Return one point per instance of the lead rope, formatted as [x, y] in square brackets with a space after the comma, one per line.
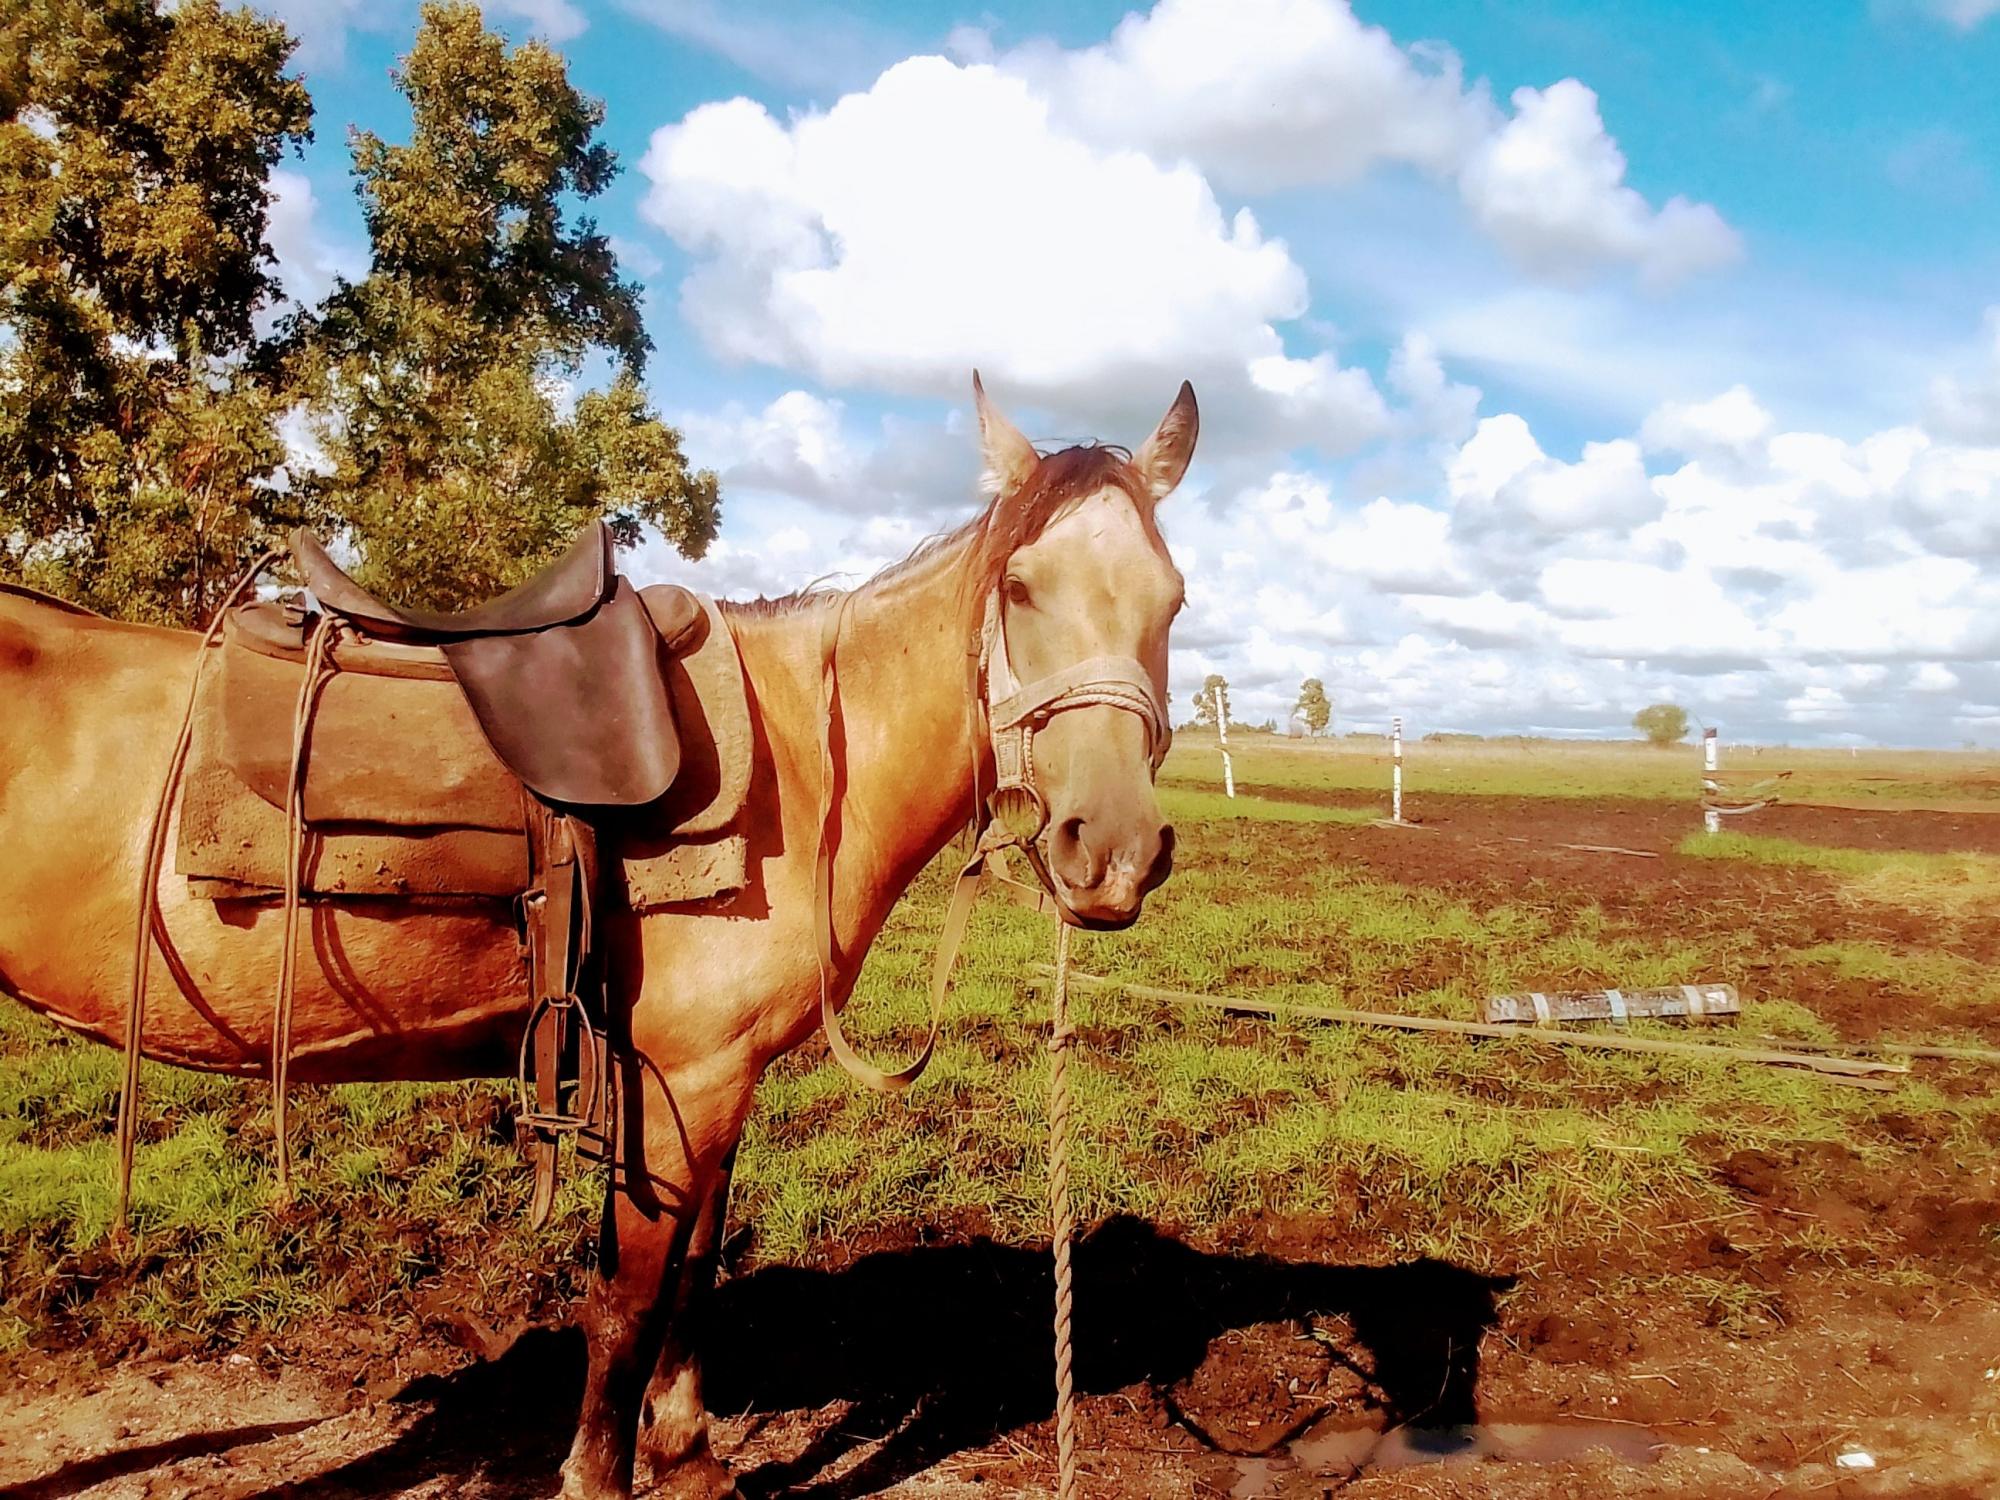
[1062, 1224]
[149, 879]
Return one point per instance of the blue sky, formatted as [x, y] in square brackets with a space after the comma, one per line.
[1670, 377]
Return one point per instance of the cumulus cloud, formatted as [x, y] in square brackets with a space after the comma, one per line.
[1549, 185]
[1968, 408]
[799, 447]
[310, 256]
[1264, 93]
[1268, 94]
[1791, 584]
[941, 217]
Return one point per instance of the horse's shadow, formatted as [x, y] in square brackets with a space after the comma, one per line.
[942, 1348]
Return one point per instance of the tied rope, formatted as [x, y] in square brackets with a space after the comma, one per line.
[1062, 1223]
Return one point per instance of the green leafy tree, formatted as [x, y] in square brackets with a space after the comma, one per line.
[1212, 701]
[455, 461]
[1314, 706]
[137, 438]
[1662, 723]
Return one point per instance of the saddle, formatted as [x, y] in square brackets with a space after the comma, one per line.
[341, 746]
[562, 672]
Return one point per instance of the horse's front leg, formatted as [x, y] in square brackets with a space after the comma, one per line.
[688, 1124]
[673, 1422]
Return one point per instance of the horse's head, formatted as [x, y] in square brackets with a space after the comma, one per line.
[1074, 592]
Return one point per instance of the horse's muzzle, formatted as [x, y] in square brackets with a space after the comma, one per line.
[1105, 879]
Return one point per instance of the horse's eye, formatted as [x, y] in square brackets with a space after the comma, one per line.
[1017, 591]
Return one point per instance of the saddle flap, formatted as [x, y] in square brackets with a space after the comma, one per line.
[579, 712]
[691, 845]
[398, 751]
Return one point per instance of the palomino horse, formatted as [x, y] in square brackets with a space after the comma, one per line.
[1070, 556]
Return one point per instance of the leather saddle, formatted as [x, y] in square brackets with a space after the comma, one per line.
[567, 678]
[563, 672]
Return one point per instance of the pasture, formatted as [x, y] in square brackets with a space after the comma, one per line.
[1753, 1269]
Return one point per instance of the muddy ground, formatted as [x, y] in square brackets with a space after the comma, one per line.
[918, 1364]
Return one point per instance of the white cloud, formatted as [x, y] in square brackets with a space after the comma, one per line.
[940, 219]
[823, 50]
[1264, 93]
[1785, 583]
[309, 256]
[552, 20]
[798, 448]
[1969, 408]
[1731, 425]
[1966, 15]
[1550, 187]
[1268, 94]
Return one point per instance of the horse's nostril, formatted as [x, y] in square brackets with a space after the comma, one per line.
[1078, 862]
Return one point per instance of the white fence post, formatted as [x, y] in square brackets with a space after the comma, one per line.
[1222, 738]
[1711, 820]
[1396, 774]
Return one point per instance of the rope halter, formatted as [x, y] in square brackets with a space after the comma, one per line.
[1015, 712]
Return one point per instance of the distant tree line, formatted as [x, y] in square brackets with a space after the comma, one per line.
[150, 370]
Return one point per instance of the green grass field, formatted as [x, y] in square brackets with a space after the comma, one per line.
[1592, 768]
[1503, 1156]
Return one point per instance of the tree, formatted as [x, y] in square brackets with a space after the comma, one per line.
[1661, 723]
[137, 419]
[1314, 706]
[1212, 701]
[456, 461]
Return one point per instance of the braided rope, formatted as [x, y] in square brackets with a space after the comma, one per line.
[1062, 1224]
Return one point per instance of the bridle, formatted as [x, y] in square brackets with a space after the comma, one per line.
[1015, 712]
[1014, 814]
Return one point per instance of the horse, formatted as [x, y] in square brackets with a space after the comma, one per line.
[1065, 563]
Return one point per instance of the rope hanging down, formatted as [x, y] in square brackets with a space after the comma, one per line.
[1062, 1224]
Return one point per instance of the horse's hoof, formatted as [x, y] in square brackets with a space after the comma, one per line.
[698, 1476]
[576, 1486]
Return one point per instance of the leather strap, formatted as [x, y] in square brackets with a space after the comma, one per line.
[1013, 815]
[965, 891]
[149, 879]
[319, 670]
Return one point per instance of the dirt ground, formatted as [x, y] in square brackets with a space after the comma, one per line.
[918, 1365]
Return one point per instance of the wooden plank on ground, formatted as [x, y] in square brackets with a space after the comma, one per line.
[1856, 1072]
[1674, 1002]
[1928, 1050]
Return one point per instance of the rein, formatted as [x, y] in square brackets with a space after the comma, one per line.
[1013, 815]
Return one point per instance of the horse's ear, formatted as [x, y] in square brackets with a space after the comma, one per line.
[1010, 458]
[1163, 458]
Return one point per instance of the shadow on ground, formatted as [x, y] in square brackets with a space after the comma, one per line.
[940, 1349]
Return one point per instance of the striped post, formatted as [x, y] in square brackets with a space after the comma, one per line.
[1222, 737]
[1396, 772]
[1711, 820]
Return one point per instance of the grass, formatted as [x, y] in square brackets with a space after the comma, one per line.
[1588, 768]
[1501, 1156]
[1948, 889]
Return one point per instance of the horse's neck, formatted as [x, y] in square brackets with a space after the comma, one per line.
[902, 738]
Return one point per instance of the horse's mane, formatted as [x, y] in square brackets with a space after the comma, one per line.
[1011, 521]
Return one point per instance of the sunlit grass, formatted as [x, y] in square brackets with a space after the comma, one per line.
[1498, 1155]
